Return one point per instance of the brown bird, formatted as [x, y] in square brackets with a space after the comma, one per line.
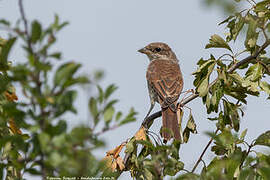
[165, 84]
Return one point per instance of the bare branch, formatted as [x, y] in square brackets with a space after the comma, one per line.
[25, 22]
[105, 130]
[23, 17]
[204, 151]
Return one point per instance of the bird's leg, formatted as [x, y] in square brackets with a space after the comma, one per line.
[151, 108]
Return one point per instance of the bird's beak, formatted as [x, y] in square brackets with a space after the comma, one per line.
[143, 50]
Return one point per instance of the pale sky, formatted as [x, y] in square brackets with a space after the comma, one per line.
[106, 34]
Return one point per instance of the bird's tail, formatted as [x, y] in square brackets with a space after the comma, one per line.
[170, 125]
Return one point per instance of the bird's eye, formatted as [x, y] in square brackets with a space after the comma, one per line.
[157, 49]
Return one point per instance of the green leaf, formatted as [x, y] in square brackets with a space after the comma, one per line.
[243, 134]
[188, 176]
[186, 135]
[148, 174]
[33, 171]
[4, 22]
[44, 140]
[264, 171]
[129, 118]
[5, 50]
[252, 35]
[238, 27]
[237, 78]
[56, 55]
[56, 158]
[263, 139]
[130, 146]
[110, 104]
[217, 93]
[110, 89]
[226, 20]
[203, 66]
[254, 73]
[191, 125]
[65, 73]
[100, 94]
[36, 31]
[93, 107]
[118, 115]
[65, 102]
[108, 114]
[265, 87]
[217, 42]
[262, 6]
[202, 89]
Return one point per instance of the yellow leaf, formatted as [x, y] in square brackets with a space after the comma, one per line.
[108, 159]
[140, 135]
[120, 163]
[11, 96]
[50, 100]
[116, 151]
[13, 127]
[114, 165]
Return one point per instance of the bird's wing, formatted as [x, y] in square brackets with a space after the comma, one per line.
[166, 79]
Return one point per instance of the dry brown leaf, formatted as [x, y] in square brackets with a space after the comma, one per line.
[140, 134]
[11, 96]
[120, 163]
[113, 159]
[116, 151]
[114, 166]
[108, 159]
[13, 127]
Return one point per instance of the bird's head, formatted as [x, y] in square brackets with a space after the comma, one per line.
[158, 50]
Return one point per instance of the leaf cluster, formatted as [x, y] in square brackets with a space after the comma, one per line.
[35, 138]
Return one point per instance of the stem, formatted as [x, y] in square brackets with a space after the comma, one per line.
[28, 38]
[105, 130]
[36, 79]
[204, 151]
[243, 160]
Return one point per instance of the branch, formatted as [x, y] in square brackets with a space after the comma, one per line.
[246, 155]
[23, 17]
[28, 38]
[107, 129]
[204, 151]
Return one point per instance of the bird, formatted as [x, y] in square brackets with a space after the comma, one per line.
[165, 84]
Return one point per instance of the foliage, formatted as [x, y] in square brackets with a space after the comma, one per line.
[34, 135]
[35, 140]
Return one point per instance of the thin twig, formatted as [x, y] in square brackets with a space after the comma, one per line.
[204, 151]
[106, 129]
[264, 33]
[265, 66]
[23, 17]
[25, 22]
[248, 151]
